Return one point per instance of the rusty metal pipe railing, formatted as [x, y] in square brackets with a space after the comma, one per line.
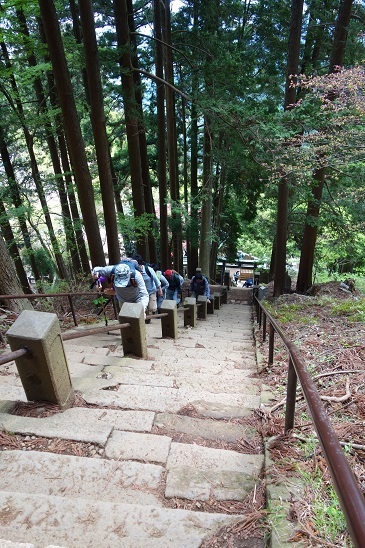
[348, 491]
[11, 356]
[68, 295]
[157, 316]
[96, 331]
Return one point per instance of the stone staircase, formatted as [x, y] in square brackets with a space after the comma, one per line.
[168, 454]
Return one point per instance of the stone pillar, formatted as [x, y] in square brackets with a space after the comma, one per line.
[203, 308]
[190, 313]
[227, 279]
[210, 308]
[169, 322]
[224, 296]
[44, 373]
[134, 337]
[217, 301]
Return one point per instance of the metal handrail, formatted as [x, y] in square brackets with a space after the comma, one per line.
[47, 295]
[346, 486]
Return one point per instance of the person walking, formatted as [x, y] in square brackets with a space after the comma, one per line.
[126, 282]
[173, 291]
[199, 285]
[164, 286]
[153, 284]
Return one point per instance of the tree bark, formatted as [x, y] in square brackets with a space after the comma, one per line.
[172, 145]
[283, 189]
[305, 273]
[130, 111]
[99, 128]
[206, 215]
[161, 139]
[9, 283]
[73, 131]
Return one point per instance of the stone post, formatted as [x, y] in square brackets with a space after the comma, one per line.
[44, 372]
[217, 301]
[203, 308]
[134, 337]
[169, 322]
[190, 313]
[210, 308]
[224, 296]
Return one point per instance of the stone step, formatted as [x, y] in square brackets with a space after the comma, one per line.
[81, 523]
[172, 400]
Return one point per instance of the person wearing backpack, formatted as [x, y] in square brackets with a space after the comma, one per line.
[164, 286]
[153, 284]
[126, 282]
[173, 291]
[199, 285]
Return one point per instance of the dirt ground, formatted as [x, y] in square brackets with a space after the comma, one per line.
[328, 326]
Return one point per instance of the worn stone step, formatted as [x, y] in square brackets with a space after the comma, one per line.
[41, 473]
[169, 400]
[226, 432]
[81, 523]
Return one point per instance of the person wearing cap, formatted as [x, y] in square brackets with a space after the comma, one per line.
[173, 291]
[128, 285]
[199, 285]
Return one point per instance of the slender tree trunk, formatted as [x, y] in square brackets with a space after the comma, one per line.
[73, 131]
[305, 273]
[9, 238]
[194, 221]
[283, 190]
[147, 189]
[99, 128]
[206, 215]
[130, 111]
[9, 284]
[17, 201]
[172, 144]
[161, 138]
[218, 209]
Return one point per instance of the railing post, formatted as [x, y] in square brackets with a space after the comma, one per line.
[271, 344]
[72, 310]
[169, 322]
[264, 326]
[224, 297]
[203, 307]
[210, 309]
[291, 394]
[134, 337]
[44, 375]
[217, 301]
[190, 313]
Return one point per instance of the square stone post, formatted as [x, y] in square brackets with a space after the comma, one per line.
[210, 308]
[44, 372]
[169, 322]
[203, 308]
[217, 301]
[224, 296]
[134, 337]
[190, 313]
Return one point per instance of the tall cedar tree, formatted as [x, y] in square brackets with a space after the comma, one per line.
[74, 137]
[306, 263]
[99, 128]
[283, 191]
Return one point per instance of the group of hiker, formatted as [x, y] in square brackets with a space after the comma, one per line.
[133, 280]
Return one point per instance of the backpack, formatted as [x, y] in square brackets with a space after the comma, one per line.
[133, 267]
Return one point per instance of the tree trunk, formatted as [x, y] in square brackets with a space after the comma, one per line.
[73, 132]
[147, 189]
[9, 238]
[206, 216]
[305, 274]
[172, 145]
[99, 128]
[17, 201]
[9, 283]
[161, 139]
[130, 111]
[289, 101]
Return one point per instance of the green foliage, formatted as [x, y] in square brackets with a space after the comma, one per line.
[353, 309]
